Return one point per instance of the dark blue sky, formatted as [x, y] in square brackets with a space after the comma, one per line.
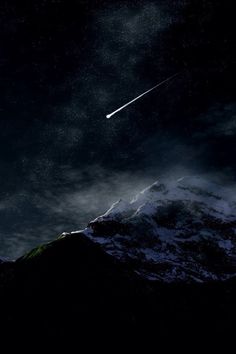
[64, 65]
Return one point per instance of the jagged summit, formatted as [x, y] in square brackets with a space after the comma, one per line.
[181, 230]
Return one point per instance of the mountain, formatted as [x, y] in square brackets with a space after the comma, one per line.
[159, 269]
[183, 230]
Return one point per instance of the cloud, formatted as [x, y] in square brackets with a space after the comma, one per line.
[128, 37]
[219, 120]
[41, 215]
[132, 27]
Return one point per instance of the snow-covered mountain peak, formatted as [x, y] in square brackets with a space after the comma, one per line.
[179, 230]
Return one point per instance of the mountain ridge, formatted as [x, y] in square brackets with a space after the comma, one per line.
[181, 231]
[72, 290]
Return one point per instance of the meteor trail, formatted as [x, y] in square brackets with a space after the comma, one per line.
[108, 116]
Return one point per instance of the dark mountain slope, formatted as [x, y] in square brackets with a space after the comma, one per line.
[92, 286]
[70, 291]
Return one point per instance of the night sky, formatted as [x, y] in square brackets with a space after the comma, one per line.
[65, 64]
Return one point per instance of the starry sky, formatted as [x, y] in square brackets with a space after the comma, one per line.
[65, 64]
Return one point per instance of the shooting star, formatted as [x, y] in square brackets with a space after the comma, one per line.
[108, 116]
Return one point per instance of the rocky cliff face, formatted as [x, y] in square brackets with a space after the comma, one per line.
[177, 231]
